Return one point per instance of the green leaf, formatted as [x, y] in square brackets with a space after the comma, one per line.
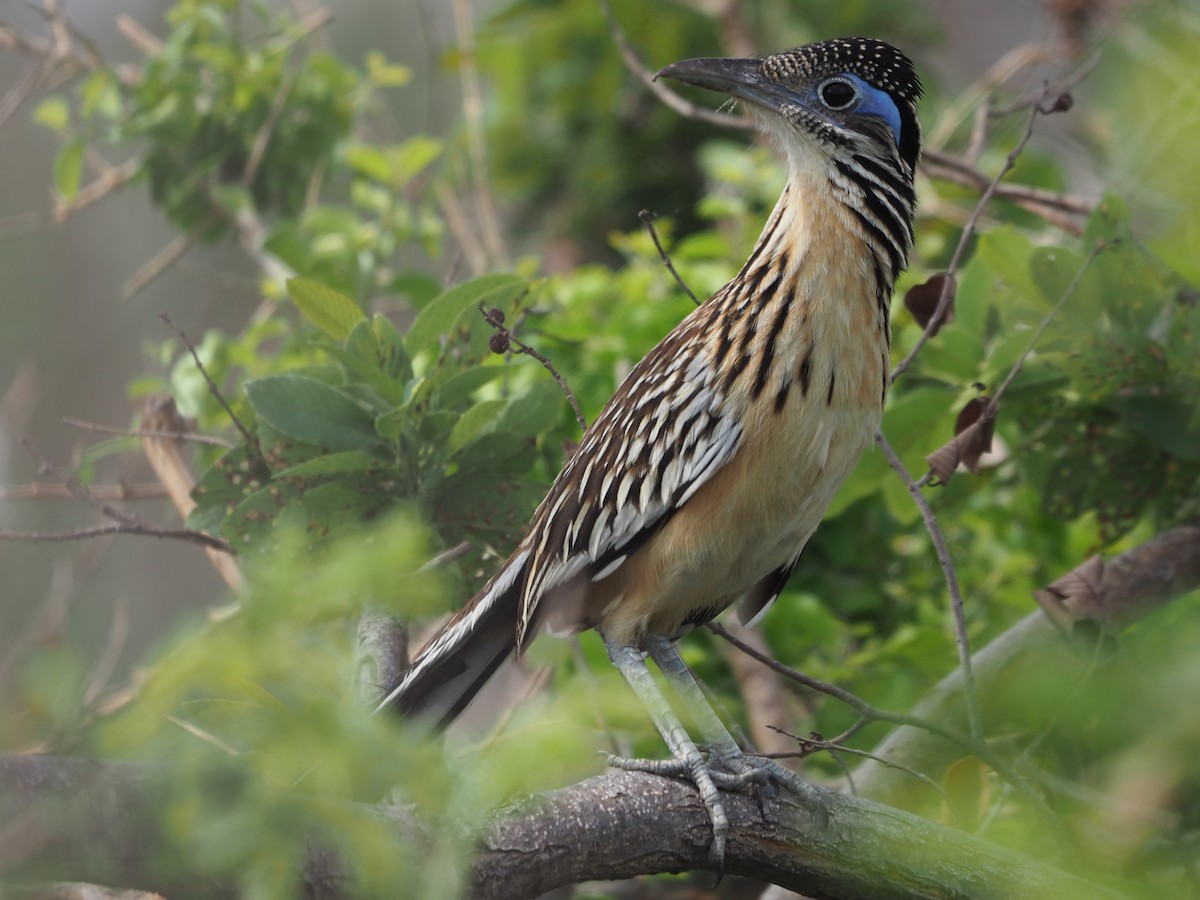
[1164, 420]
[443, 313]
[473, 422]
[385, 74]
[385, 370]
[389, 425]
[311, 411]
[535, 411]
[393, 360]
[369, 161]
[331, 464]
[251, 523]
[331, 311]
[418, 287]
[1006, 252]
[321, 510]
[68, 168]
[458, 388]
[53, 112]
[411, 157]
[498, 453]
[99, 93]
[226, 484]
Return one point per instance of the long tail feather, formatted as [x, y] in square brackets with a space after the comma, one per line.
[460, 658]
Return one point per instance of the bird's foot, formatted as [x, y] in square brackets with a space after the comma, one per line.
[707, 781]
[764, 771]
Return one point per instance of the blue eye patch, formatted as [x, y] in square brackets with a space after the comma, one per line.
[872, 101]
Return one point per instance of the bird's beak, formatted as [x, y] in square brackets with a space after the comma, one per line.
[740, 78]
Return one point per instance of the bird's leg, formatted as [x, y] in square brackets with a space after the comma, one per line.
[631, 663]
[720, 741]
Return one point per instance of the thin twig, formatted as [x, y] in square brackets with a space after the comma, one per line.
[986, 419]
[139, 528]
[978, 748]
[162, 260]
[1099, 248]
[263, 138]
[46, 490]
[662, 92]
[512, 342]
[446, 557]
[77, 488]
[111, 178]
[18, 93]
[106, 663]
[194, 437]
[947, 166]
[964, 238]
[648, 221]
[974, 718]
[832, 746]
[251, 441]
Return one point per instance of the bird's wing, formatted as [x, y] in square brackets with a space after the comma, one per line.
[666, 432]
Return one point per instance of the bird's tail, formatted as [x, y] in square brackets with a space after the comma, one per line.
[460, 658]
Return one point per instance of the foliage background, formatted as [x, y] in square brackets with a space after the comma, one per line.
[1100, 429]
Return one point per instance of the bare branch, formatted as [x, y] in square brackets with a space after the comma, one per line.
[78, 489]
[111, 179]
[965, 237]
[662, 92]
[82, 816]
[940, 164]
[648, 221]
[138, 528]
[193, 436]
[163, 450]
[978, 748]
[1134, 585]
[974, 719]
[507, 341]
[163, 260]
[251, 441]
[47, 490]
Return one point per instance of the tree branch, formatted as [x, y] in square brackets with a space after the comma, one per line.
[99, 821]
[1134, 585]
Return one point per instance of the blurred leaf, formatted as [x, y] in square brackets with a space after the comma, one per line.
[331, 464]
[68, 168]
[441, 315]
[331, 311]
[460, 387]
[386, 74]
[54, 112]
[475, 420]
[311, 411]
[1165, 420]
[536, 410]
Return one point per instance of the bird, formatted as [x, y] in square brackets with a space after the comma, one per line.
[702, 479]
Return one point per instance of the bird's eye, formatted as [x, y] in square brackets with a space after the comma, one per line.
[836, 93]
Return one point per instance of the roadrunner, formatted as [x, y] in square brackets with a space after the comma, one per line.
[705, 475]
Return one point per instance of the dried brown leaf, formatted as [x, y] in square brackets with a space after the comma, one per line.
[922, 301]
[973, 431]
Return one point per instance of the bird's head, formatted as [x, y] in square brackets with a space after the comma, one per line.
[849, 96]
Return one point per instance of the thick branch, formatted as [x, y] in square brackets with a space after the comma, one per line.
[84, 819]
[1134, 585]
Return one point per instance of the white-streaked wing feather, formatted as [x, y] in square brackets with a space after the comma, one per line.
[636, 465]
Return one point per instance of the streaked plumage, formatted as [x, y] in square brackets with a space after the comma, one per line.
[710, 468]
